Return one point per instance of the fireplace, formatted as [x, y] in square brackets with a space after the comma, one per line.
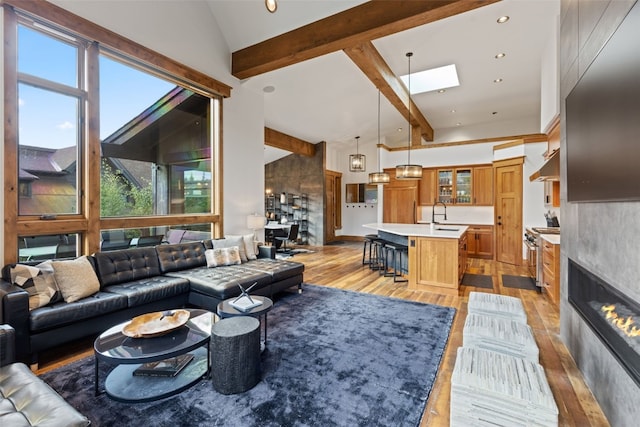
[614, 317]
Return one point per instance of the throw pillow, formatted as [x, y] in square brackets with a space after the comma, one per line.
[76, 278]
[222, 256]
[250, 246]
[38, 281]
[229, 242]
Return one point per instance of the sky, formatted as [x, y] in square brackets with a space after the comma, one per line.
[48, 119]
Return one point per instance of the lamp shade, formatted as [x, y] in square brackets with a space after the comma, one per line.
[379, 178]
[357, 163]
[408, 172]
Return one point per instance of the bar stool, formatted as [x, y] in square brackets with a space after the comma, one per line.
[376, 261]
[368, 240]
[396, 249]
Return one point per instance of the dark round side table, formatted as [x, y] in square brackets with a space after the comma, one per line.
[225, 309]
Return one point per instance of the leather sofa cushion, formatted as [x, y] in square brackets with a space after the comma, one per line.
[152, 289]
[181, 256]
[277, 269]
[126, 265]
[26, 400]
[62, 313]
[222, 282]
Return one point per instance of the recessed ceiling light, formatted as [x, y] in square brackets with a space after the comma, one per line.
[442, 91]
[433, 79]
[268, 89]
[502, 19]
[453, 110]
[497, 80]
[458, 124]
[399, 129]
[501, 55]
[271, 5]
[494, 113]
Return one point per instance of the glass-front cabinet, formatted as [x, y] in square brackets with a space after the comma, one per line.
[454, 186]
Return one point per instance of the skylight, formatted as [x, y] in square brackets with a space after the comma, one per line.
[433, 79]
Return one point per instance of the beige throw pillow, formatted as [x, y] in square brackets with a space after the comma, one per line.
[76, 278]
[222, 256]
[250, 246]
[229, 242]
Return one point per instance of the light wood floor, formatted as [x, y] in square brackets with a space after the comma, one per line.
[340, 266]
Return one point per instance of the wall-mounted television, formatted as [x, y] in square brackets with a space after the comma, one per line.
[603, 121]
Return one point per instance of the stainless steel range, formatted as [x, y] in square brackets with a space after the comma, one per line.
[532, 241]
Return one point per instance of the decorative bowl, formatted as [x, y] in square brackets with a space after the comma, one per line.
[155, 324]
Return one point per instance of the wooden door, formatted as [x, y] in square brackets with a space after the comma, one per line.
[400, 204]
[508, 210]
[333, 205]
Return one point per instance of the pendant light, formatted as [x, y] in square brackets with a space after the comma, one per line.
[409, 171]
[379, 177]
[357, 162]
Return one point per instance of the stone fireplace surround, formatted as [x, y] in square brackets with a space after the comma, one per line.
[612, 316]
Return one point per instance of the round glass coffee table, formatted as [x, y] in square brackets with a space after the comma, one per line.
[225, 309]
[125, 384]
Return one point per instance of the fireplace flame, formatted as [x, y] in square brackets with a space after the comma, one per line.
[625, 324]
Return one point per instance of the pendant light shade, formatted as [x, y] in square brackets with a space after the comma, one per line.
[357, 162]
[409, 171]
[379, 177]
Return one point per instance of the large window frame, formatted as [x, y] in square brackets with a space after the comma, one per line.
[88, 223]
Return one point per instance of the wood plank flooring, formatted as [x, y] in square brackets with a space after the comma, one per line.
[340, 266]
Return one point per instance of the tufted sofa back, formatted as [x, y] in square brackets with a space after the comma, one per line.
[126, 265]
[181, 256]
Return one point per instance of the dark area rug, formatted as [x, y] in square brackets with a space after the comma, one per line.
[477, 280]
[519, 282]
[334, 358]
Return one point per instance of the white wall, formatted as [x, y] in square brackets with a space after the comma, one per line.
[355, 214]
[550, 80]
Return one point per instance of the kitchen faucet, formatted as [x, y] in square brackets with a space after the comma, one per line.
[433, 212]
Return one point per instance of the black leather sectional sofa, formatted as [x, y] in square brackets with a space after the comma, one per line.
[137, 281]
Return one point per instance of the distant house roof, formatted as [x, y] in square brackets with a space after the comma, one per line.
[35, 161]
[66, 157]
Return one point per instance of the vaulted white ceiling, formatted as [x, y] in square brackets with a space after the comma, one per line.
[329, 99]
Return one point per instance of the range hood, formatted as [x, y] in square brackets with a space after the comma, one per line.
[550, 170]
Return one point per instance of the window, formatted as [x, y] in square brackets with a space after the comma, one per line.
[49, 117]
[152, 169]
[156, 146]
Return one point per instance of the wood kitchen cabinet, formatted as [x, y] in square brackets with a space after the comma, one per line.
[437, 264]
[471, 185]
[483, 186]
[480, 241]
[551, 270]
[454, 186]
[400, 200]
[463, 252]
[427, 187]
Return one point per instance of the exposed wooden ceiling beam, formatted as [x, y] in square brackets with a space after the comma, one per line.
[276, 139]
[369, 60]
[362, 23]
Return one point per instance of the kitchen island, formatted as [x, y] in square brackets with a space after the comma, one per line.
[437, 256]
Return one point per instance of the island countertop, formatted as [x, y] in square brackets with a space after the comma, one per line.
[420, 230]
